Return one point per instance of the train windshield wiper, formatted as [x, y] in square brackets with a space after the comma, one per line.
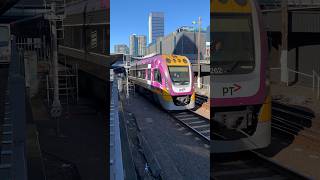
[181, 82]
[233, 66]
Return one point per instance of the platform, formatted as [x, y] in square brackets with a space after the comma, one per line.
[82, 143]
[299, 153]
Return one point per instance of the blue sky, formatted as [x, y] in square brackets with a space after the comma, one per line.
[131, 16]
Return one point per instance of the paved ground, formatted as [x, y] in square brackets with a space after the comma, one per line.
[84, 143]
[204, 110]
[180, 153]
[298, 152]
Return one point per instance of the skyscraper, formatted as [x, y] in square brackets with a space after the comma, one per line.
[121, 49]
[156, 26]
[138, 45]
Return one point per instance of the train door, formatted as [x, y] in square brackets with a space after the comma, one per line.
[149, 75]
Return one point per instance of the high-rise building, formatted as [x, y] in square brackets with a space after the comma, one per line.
[156, 26]
[121, 49]
[138, 45]
[208, 34]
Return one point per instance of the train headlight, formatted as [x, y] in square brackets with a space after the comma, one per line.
[241, 2]
[185, 61]
[167, 84]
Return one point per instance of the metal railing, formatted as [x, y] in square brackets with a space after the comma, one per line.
[116, 164]
[316, 80]
[315, 76]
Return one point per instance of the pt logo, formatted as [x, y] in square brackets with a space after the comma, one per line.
[230, 90]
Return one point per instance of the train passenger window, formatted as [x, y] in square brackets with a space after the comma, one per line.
[149, 74]
[157, 76]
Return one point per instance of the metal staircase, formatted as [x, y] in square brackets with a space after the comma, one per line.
[68, 86]
[129, 85]
[67, 77]
[131, 88]
[57, 14]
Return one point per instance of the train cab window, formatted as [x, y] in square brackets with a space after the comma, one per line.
[233, 44]
[179, 75]
[157, 76]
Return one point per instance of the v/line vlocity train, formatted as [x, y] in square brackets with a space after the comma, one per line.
[5, 44]
[168, 78]
[240, 100]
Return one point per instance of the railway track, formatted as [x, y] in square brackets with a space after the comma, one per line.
[200, 99]
[196, 123]
[293, 121]
[253, 165]
[249, 165]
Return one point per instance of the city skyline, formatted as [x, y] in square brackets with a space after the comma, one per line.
[121, 49]
[137, 21]
[137, 45]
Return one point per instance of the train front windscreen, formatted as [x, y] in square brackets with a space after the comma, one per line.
[179, 75]
[4, 44]
[233, 45]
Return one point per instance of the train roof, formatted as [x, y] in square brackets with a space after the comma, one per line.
[170, 59]
[230, 6]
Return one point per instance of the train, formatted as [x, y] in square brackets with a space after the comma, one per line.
[5, 44]
[168, 79]
[240, 98]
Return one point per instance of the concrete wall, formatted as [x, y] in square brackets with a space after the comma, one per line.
[309, 59]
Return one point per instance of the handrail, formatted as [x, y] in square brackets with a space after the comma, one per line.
[315, 79]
